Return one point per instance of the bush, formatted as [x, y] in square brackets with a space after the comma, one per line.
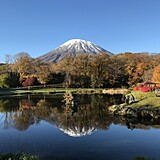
[145, 89]
[142, 89]
[136, 88]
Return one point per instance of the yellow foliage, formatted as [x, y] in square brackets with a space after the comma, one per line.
[156, 74]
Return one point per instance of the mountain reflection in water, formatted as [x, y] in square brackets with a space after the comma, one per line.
[89, 114]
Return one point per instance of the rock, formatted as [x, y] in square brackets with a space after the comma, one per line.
[113, 108]
[146, 113]
[123, 111]
[142, 112]
[130, 112]
[129, 98]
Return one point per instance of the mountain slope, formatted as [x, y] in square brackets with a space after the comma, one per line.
[72, 48]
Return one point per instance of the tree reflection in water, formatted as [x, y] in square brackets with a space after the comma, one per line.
[89, 113]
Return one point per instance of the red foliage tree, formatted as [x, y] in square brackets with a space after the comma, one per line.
[28, 82]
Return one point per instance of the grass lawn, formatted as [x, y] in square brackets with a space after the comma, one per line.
[145, 99]
[151, 102]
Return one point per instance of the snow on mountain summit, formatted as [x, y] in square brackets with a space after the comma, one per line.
[81, 45]
[72, 47]
[73, 41]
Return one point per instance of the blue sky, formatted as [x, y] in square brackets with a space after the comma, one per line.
[38, 26]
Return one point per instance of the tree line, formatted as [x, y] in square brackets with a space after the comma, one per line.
[85, 70]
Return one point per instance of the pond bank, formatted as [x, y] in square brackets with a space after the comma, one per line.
[146, 105]
[50, 91]
[141, 112]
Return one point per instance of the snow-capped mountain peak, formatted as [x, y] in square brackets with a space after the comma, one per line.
[73, 41]
[73, 47]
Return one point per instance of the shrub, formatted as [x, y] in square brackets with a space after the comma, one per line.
[142, 89]
[145, 89]
[136, 88]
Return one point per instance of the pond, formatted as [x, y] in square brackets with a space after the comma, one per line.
[46, 127]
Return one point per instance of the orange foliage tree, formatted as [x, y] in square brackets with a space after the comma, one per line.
[156, 74]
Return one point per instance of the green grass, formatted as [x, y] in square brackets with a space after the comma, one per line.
[140, 95]
[150, 102]
[145, 99]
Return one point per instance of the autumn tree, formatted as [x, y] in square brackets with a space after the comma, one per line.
[3, 68]
[136, 66]
[80, 71]
[65, 66]
[22, 65]
[29, 82]
[152, 61]
[4, 80]
[117, 74]
[98, 69]
[42, 72]
[156, 74]
[9, 80]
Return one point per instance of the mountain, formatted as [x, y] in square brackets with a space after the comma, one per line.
[72, 48]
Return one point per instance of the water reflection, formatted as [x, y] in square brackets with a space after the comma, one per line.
[88, 114]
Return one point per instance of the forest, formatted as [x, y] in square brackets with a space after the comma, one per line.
[83, 71]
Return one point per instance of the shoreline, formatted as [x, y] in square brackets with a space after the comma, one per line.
[52, 91]
[145, 105]
[144, 111]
